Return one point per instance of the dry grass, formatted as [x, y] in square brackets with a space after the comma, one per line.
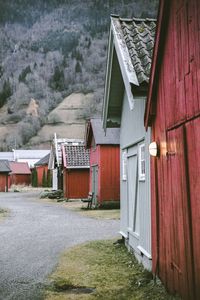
[107, 271]
[81, 208]
[25, 188]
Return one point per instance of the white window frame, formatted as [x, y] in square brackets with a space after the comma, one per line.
[124, 165]
[141, 161]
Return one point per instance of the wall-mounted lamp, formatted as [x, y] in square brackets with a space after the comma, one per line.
[153, 149]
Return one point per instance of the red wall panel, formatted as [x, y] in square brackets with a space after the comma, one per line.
[175, 173]
[20, 179]
[193, 146]
[109, 170]
[40, 170]
[76, 183]
[3, 182]
[107, 157]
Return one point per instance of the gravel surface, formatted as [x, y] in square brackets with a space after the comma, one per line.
[33, 236]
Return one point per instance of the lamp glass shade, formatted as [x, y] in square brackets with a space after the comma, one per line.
[153, 149]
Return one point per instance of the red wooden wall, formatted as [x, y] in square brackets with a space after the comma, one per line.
[107, 157]
[175, 173]
[4, 184]
[75, 183]
[40, 170]
[20, 179]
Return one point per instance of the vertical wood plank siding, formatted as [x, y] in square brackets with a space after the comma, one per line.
[3, 182]
[175, 183]
[20, 179]
[109, 189]
[76, 183]
[106, 157]
[40, 170]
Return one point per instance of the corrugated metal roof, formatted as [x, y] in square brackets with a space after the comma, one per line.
[19, 168]
[43, 161]
[136, 35]
[111, 137]
[76, 156]
[4, 166]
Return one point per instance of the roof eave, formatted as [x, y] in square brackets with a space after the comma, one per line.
[64, 156]
[88, 134]
[163, 12]
[107, 80]
[77, 167]
[127, 69]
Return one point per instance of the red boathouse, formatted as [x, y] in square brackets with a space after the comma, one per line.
[173, 112]
[41, 168]
[75, 164]
[20, 173]
[4, 175]
[104, 163]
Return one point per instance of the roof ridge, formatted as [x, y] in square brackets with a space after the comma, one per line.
[124, 19]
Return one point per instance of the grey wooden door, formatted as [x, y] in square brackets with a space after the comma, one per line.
[95, 184]
[133, 206]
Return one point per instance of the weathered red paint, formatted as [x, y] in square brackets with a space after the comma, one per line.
[75, 183]
[4, 182]
[17, 179]
[106, 157]
[173, 111]
[40, 171]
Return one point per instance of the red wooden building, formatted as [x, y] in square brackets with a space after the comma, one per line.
[4, 175]
[75, 162]
[41, 167]
[104, 162]
[173, 112]
[20, 173]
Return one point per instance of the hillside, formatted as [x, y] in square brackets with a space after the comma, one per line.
[67, 120]
[49, 50]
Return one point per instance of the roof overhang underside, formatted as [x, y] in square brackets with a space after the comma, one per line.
[115, 94]
[120, 77]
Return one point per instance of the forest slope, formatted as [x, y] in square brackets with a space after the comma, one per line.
[50, 49]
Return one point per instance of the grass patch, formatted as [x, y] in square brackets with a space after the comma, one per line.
[102, 270]
[81, 208]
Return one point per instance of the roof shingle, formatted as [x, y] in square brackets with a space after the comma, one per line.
[138, 36]
[76, 156]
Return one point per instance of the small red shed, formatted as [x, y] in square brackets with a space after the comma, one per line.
[20, 173]
[173, 112]
[104, 162]
[75, 170]
[4, 175]
[41, 167]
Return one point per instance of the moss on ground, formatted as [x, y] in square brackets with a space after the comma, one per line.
[102, 270]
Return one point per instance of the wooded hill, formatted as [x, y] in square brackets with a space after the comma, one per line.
[50, 49]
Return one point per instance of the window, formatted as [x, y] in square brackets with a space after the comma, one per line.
[142, 162]
[124, 165]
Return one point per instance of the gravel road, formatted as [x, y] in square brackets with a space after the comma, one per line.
[32, 238]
